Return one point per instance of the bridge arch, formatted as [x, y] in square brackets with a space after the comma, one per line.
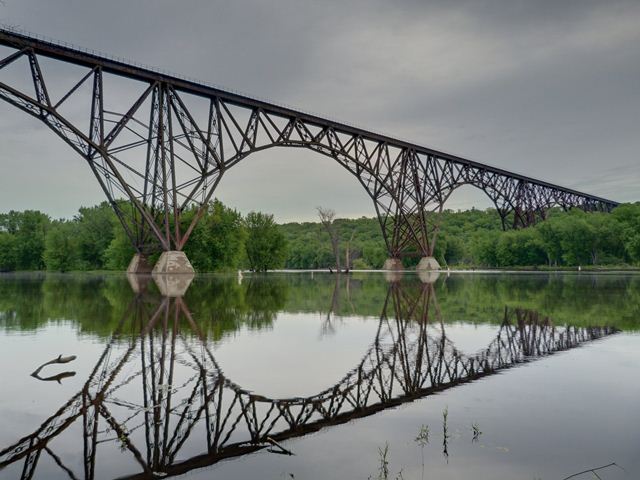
[291, 183]
[170, 149]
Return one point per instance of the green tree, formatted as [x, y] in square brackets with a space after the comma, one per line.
[95, 233]
[455, 251]
[632, 247]
[483, 248]
[628, 216]
[576, 240]
[266, 246]
[120, 251]
[550, 232]
[374, 253]
[29, 229]
[218, 241]
[62, 251]
[8, 257]
[606, 241]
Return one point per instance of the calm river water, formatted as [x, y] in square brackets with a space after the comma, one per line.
[315, 376]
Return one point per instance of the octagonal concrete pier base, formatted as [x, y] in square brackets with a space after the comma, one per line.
[428, 264]
[139, 264]
[393, 264]
[174, 262]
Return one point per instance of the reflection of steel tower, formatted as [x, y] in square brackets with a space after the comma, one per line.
[158, 392]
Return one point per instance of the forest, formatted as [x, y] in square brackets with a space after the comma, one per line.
[225, 240]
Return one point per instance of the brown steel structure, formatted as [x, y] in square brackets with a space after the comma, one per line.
[166, 150]
[157, 391]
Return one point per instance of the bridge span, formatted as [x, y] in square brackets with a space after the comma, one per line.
[160, 157]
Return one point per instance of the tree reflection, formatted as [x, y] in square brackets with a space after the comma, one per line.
[95, 303]
[157, 391]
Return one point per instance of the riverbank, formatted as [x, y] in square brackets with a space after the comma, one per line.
[626, 269]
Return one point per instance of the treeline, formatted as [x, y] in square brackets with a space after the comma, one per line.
[226, 240]
[474, 238]
[95, 240]
[571, 238]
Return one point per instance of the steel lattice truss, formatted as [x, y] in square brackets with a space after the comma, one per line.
[165, 149]
[157, 390]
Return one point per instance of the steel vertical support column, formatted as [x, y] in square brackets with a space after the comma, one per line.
[175, 209]
[162, 120]
[148, 192]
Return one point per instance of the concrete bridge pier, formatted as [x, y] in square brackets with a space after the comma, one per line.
[174, 262]
[139, 264]
[425, 264]
[428, 264]
[393, 264]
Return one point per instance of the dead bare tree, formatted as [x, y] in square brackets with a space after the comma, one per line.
[326, 216]
[347, 253]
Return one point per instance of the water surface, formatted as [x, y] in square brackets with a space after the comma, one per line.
[501, 376]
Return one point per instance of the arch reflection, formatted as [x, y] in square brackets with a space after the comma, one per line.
[158, 393]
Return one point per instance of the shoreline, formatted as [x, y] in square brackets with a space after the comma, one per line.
[572, 270]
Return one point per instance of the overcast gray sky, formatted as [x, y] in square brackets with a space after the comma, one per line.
[550, 89]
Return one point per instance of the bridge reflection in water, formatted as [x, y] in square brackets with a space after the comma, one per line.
[158, 393]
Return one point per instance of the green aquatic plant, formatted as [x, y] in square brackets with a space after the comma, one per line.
[422, 439]
[423, 436]
[445, 433]
[383, 465]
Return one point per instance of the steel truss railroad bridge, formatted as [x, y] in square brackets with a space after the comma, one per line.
[160, 155]
[157, 392]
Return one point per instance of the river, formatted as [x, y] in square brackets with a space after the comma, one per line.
[318, 376]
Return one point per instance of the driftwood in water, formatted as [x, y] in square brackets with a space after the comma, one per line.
[59, 376]
[56, 378]
[593, 470]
